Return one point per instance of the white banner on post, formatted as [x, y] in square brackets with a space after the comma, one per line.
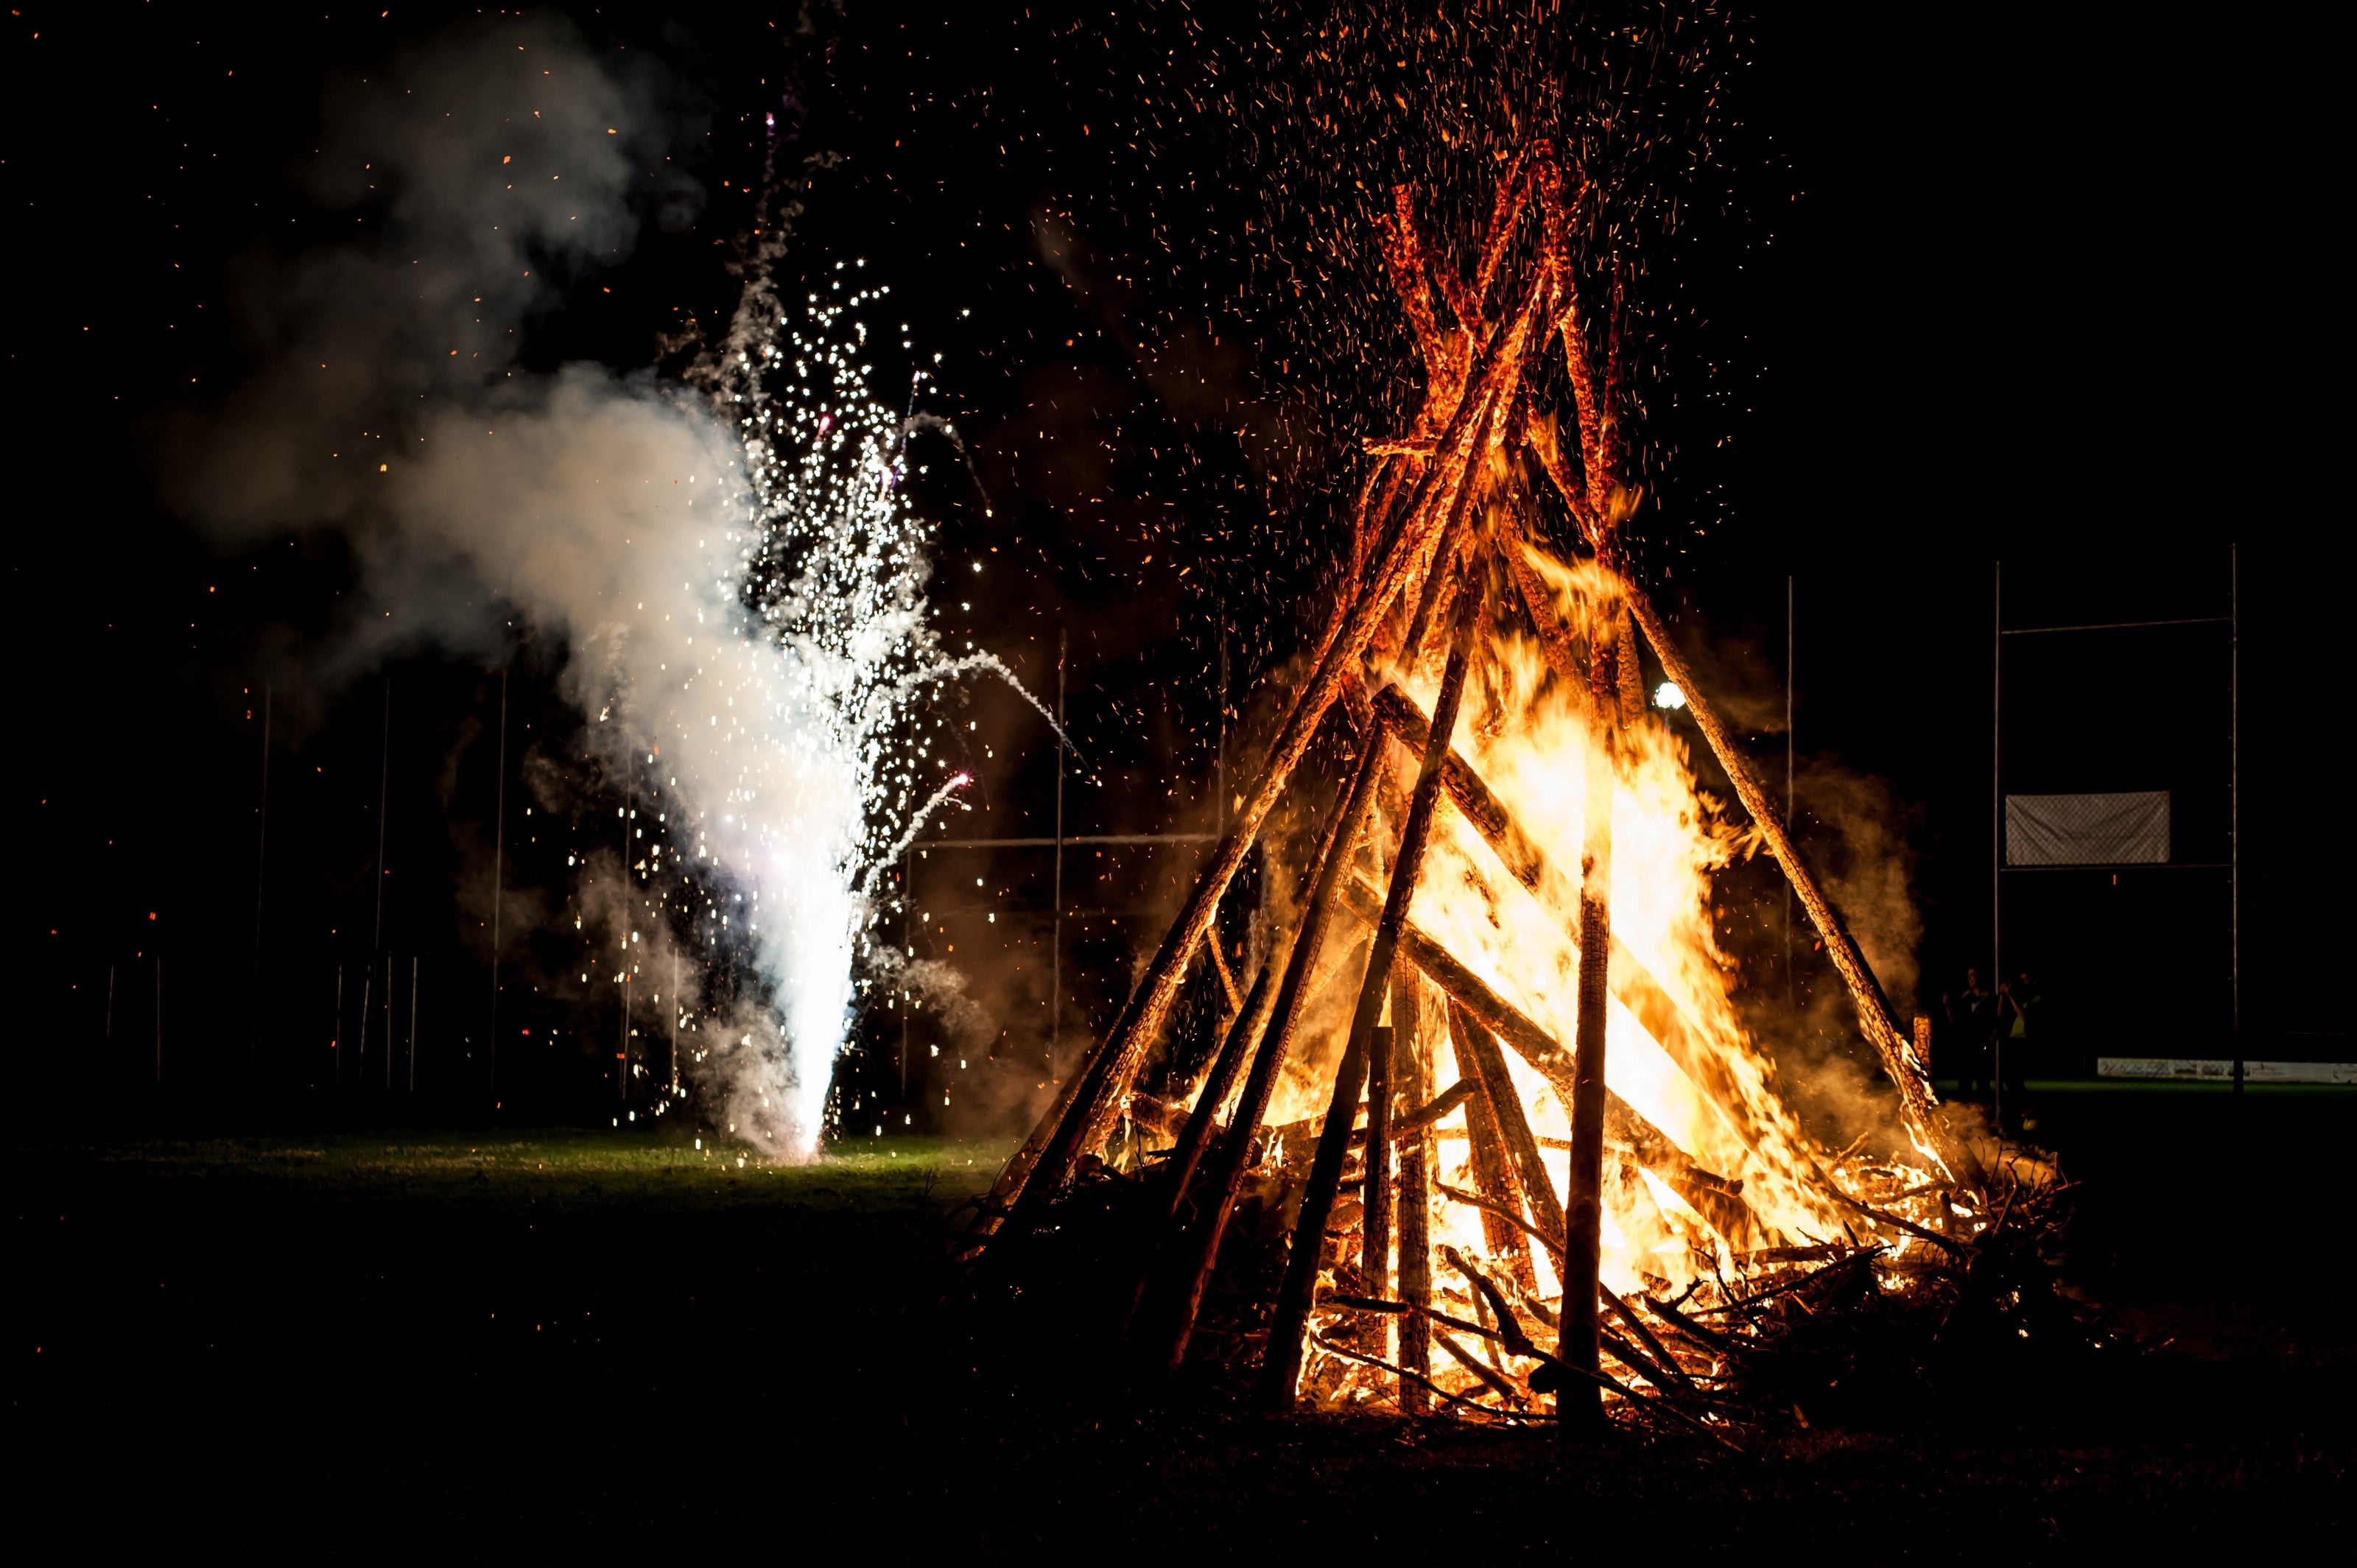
[2087, 830]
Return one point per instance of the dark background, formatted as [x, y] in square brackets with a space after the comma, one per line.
[2032, 285]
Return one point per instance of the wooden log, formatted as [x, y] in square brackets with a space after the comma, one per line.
[1555, 637]
[1281, 1369]
[995, 1204]
[1580, 1404]
[1409, 1123]
[1227, 981]
[1375, 1174]
[1899, 1063]
[1498, 1208]
[1510, 1326]
[1157, 1114]
[1297, 1295]
[1197, 1251]
[1242, 1034]
[1624, 1127]
[1488, 1375]
[1633, 984]
[1660, 1353]
[1348, 1354]
[1412, 1059]
[1405, 554]
[1537, 1187]
[1506, 214]
[1494, 1172]
[1667, 1312]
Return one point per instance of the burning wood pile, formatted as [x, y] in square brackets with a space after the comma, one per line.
[1487, 1134]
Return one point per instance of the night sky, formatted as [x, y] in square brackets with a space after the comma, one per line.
[1918, 294]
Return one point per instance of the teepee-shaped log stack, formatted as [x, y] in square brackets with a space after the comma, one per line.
[1434, 561]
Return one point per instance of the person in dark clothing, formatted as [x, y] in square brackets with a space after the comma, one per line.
[1973, 1022]
[2018, 1003]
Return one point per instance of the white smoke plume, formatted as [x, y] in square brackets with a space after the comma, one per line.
[731, 566]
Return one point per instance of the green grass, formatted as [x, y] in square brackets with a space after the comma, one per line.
[518, 1343]
[425, 1165]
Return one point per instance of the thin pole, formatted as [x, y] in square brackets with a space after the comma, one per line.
[413, 1023]
[1997, 824]
[1280, 1369]
[1579, 1409]
[909, 951]
[1792, 992]
[336, 1035]
[110, 1002]
[1199, 1251]
[674, 1020]
[376, 939]
[2234, 798]
[159, 1018]
[498, 867]
[388, 1022]
[383, 775]
[1221, 762]
[1055, 961]
[368, 1005]
[630, 815]
[260, 868]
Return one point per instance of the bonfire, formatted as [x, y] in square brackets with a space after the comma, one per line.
[1487, 1136]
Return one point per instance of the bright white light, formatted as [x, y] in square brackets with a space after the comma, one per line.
[1667, 695]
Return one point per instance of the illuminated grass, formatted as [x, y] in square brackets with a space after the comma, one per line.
[880, 1174]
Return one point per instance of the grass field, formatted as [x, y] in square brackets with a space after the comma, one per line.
[516, 1343]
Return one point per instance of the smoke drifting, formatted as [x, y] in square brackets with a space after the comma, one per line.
[741, 596]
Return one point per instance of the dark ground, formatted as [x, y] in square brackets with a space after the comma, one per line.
[493, 1344]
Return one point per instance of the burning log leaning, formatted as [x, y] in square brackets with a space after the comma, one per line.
[1087, 1115]
[1493, 1169]
[1194, 1252]
[1580, 1404]
[1413, 1064]
[1633, 984]
[1281, 1368]
[1624, 1128]
[1906, 1071]
[1242, 1034]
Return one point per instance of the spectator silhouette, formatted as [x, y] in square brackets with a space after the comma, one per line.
[2020, 1003]
[1973, 1022]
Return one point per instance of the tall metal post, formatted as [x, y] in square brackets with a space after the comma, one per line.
[1997, 824]
[2234, 798]
[908, 952]
[1792, 992]
[499, 869]
[384, 777]
[376, 937]
[261, 869]
[1220, 762]
[1056, 962]
[630, 809]
[159, 1018]
[413, 1023]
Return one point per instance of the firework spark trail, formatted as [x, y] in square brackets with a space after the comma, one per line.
[834, 655]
